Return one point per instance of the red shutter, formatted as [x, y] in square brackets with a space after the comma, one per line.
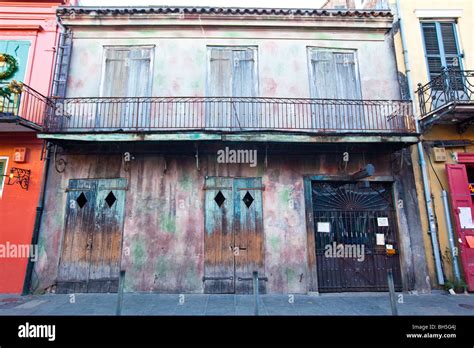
[461, 197]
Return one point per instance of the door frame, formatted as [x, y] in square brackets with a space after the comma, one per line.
[313, 286]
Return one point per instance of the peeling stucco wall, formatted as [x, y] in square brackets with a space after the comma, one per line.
[163, 235]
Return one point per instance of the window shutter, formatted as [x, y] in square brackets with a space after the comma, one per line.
[116, 73]
[243, 82]
[127, 72]
[220, 74]
[323, 82]
[139, 83]
[19, 50]
[346, 78]
[431, 38]
[438, 54]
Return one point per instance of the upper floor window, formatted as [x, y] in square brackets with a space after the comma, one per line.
[19, 50]
[232, 72]
[333, 74]
[127, 71]
[441, 46]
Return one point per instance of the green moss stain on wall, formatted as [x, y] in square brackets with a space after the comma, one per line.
[275, 243]
[161, 267]
[139, 252]
[168, 223]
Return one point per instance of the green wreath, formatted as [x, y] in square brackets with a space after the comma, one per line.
[12, 66]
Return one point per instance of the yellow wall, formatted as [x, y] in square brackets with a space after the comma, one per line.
[419, 74]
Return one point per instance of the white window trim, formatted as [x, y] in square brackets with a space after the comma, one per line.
[2, 182]
[439, 13]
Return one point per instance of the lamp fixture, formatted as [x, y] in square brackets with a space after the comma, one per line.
[19, 176]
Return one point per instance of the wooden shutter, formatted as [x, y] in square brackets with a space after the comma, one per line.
[461, 198]
[347, 85]
[19, 50]
[440, 46]
[127, 73]
[244, 85]
[219, 84]
[244, 80]
[323, 83]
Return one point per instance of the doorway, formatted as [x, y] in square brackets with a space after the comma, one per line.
[233, 237]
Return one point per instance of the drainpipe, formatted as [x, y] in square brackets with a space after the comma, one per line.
[426, 188]
[36, 228]
[452, 246]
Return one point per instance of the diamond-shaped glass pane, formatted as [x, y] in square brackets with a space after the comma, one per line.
[219, 198]
[110, 199]
[81, 200]
[248, 199]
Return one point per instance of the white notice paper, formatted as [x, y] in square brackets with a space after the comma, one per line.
[324, 227]
[380, 237]
[382, 222]
[465, 217]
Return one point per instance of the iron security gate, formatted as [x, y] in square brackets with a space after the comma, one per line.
[356, 236]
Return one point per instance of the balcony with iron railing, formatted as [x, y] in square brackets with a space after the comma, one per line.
[447, 99]
[22, 107]
[231, 114]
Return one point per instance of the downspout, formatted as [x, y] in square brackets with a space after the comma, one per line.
[36, 228]
[452, 245]
[426, 188]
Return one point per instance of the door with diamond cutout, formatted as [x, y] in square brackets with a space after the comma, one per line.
[92, 243]
[233, 239]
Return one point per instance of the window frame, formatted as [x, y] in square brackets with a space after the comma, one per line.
[254, 48]
[2, 178]
[311, 76]
[442, 54]
[104, 62]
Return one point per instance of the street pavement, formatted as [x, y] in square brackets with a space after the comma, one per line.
[355, 304]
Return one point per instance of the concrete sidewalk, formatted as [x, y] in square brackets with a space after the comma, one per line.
[436, 303]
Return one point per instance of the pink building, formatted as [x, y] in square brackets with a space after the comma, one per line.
[29, 34]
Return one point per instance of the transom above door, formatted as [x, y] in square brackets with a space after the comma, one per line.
[233, 237]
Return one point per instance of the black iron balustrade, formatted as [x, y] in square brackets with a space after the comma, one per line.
[142, 114]
[451, 86]
[24, 105]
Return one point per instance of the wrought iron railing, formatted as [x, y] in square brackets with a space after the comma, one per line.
[225, 113]
[23, 104]
[452, 85]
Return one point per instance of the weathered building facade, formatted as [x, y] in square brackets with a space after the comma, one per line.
[194, 146]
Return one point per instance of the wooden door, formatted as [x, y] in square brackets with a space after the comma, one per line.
[248, 229]
[91, 250]
[76, 247]
[107, 237]
[218, 237]
[461, 205]
[233, 237]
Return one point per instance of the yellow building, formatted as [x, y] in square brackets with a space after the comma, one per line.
[435, 52]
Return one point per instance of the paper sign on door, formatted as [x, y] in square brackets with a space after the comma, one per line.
[324, 227]
[465, 217]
